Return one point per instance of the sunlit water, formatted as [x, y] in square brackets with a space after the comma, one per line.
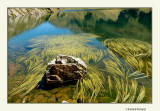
[104, 24]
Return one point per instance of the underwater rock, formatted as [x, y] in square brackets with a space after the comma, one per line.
[52, 99]
[64, 69]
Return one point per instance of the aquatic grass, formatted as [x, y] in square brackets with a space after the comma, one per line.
[148, 68]
[43, 51]
[116, 66]
[135, 52]
[110, 85]
[122, 84]
[91, 86]
[28, 84]
[87, 90]
[141, 95]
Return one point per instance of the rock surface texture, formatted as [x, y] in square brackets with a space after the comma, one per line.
[15, 12]
[64, 69]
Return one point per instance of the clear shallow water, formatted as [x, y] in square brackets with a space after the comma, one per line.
[44, 29]
[105, 24]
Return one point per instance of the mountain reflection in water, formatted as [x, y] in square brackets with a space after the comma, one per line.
[106, 23]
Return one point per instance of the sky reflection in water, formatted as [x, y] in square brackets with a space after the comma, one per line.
[45, 28]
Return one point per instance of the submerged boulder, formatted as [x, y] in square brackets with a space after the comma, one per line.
[64, 69]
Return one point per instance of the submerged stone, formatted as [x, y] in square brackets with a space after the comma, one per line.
[64, 69]
[52, 99]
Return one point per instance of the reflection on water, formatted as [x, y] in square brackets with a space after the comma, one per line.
[19, 42]
[106, 23]
[28, 34]
[45, 28]
[17, 25]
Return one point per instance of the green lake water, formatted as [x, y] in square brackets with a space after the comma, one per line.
[33, 41]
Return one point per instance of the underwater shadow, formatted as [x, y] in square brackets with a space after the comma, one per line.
[43, 86]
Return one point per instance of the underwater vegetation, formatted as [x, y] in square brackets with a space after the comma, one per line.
[110, 78]
[136, 53]
[116, 84]
[44, 51]
[122, 84]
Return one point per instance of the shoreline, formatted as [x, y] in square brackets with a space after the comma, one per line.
[16, 12]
